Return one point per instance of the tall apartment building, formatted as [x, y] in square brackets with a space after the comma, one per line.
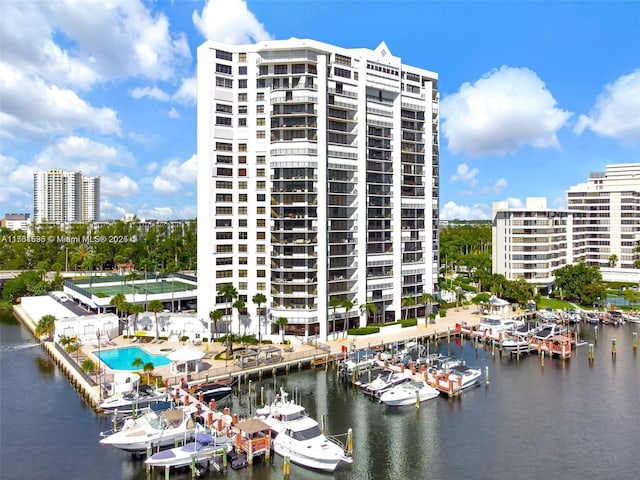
[601, 226]
[60, 197]
[531, 242]
[16, 221]
[318, 170]
[611, 203]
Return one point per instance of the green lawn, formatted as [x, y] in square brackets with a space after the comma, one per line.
[553, 303]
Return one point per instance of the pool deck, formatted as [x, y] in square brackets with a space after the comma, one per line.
[295, 355]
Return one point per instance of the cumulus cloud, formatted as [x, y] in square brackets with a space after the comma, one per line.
[150, 92]
[453, 211]
[109, 211]
[175, 174]
[32, 108]
[465, 174]
[229, 21]
[117, 185]
[616, 113]
[184, 212]
[515, 202]
[501, 112]
[186, 93]
[499, 185]
[79, 153]
[173, 113]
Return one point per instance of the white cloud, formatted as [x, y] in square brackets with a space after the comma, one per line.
[186, 93]
[465, 174]
[174, 175]
[32, 108]
[501, 112]
[453, 211]
[116, 185]
[499, 185]
[559, 202]
[515, 202]
[173, 113]
[168, 213]
[151, 92]
[617, 110]
[229, 21]
[151, 167]
[82, 154]
[109, 211]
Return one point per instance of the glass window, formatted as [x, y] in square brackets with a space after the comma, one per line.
[242, 70]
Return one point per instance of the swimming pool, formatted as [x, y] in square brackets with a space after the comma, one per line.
[122, 358]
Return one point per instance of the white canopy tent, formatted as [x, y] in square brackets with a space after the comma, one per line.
[188, 356]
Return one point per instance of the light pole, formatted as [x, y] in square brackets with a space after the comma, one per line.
[99, 374]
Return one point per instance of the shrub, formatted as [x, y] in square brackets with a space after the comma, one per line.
[443, 312]
[409, 322]
[363, 330]
[100, 294]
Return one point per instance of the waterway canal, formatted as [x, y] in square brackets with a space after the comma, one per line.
[565, 419]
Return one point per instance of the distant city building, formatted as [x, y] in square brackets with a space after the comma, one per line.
[16, 221]
[65, 197]
[318, 182]
[601, 226]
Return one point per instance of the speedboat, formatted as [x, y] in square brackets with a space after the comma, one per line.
[516, 343]
[299, 437]
[494, 326]
[204, 447]
[549, 331]
[135, 400]
[469, 376]
[358, 361]
[216, 390]
[385, 381]
[156, 429]
[408, 393]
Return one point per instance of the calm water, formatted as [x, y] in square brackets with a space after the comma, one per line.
[566, 419]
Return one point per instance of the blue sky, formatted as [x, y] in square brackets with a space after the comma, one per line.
[534, 95]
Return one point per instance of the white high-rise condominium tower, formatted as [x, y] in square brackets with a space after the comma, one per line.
[61, 197]
[318, 172]
[611, 202]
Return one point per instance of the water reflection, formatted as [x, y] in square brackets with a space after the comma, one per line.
[45, 366]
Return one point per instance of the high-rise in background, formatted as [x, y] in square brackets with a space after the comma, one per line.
[64, 197]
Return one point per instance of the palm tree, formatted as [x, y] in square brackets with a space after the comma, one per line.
[116, 300]
[282, 322]
[228, 292]
[215, 315]
[46, 326]
[69, 344]
[407, 303]
[259, 299]
[239, 305]
[348, 305]
[613, 259]
[368, 309]
[334, 303]
[88, 366]
[155, 306]
[136, 309]
[132, 277]
[137, 363]
[148, 368]
[427, 299]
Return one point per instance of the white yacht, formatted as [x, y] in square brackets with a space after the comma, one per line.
[298, 436]
[385, 381]
[137, 399]
[156, 429]
[204, 447]
[408, 393]
[494, 325]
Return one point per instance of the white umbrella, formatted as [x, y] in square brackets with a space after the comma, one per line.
[185, 355]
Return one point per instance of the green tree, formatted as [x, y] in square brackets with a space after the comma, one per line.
[148, 369]
[335, 303]
[481, 299]
[407, 304]
[368, 309]
[282, 323]
[259, 299]
[135, 309]
[580, 282]
[229, 293]
[215, 316]
[116, 301]
[88, 366]
[348, 305]
[613, 259]
[46, 326]
[240, 306]
[155, 306]
[427, 299]
[630, 296]
[137, 363]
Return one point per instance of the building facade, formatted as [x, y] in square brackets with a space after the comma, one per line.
[16, 221]
[63, 197]
[532, 242]
[318, 184]
[601, 226]
[610, 201]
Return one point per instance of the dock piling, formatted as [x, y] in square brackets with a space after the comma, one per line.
[634, 341]
[591, 355]
[486, 374]
[614, 348]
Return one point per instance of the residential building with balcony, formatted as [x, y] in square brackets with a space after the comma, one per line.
[318, 179]
[64, 197]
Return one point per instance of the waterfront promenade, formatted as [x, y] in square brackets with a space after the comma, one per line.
[296, 355]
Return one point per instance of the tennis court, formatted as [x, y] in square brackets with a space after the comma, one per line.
[166, 286]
